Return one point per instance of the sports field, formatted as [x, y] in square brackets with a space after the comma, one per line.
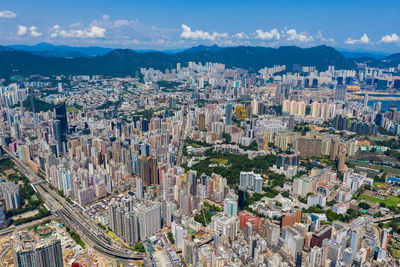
[389, 201]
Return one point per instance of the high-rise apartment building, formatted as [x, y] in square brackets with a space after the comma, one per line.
[340, 92]
[341, 157]
[61, 115]
[228, 114]
[10, 192]
[29, 252]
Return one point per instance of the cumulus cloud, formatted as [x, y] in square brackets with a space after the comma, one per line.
[22, 30]
[273, 34]
[7, 14]
[187, 33]
[91, 32]
[390, 38]
[292, 35]
[34, 31]
[241, 35]
[363, 40]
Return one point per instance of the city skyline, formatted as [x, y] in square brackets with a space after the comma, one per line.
[183, 24]
[199, 133]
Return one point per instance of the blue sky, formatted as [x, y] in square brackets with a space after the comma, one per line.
[168, 24]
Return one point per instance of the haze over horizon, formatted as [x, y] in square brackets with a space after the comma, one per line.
[355, 25]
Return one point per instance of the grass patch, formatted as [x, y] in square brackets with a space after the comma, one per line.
[76, 237]
[377, 167]
[395, 253]
[138, 247]
[73, 109]
[390, 201]
[220, 161]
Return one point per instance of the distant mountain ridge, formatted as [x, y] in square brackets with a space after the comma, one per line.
[57, 60]
[360, 53]
[50, 50]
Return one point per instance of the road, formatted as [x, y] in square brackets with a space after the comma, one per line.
[94, 236]
[20, 227]
[386, 218]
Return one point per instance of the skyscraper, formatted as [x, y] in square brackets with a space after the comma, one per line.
[139, 188]
[149, 170]
[61, 115]
[193, 182]
[10, 192]
[27, 252]
[341, 157]
[242, 197]
[378, 106]
[334, 150]
[230, 207]
[340, 92]
[228, 114]
[273, 233]
[366, 99]
[202, 122]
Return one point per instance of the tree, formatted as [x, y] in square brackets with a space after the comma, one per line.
[171, 237]
[227, 138]
[139, 247]
[364, 205]
[331, 202]
[308, 110]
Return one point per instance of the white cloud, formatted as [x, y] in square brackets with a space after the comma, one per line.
[273, 34]
[91, 32]
[241, 35]
[363, 40]
[292, 35]
[22, 30]
[7, 14]
[187, 33]
[34, 31]
[390, 38]
[106, 23]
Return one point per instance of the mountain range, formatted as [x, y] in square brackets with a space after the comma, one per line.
[49, 50]
[47, 59]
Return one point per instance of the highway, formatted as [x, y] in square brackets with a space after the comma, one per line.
[94, 236]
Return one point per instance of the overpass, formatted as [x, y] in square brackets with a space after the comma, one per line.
[39, 182]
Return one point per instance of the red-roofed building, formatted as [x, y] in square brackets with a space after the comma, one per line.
[291, 218]
[245, 216]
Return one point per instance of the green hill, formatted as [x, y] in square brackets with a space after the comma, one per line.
[122, 62]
